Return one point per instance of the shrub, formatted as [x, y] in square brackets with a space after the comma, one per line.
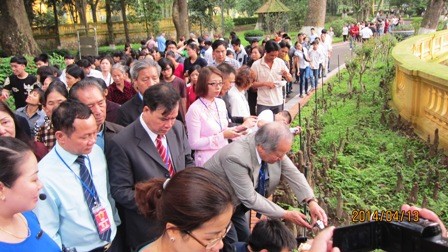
[57, 59]
[297, 15]
[404, 27]
[229, 25]
[245, 20]
[254, 33]
[339, 23]
[61, 52]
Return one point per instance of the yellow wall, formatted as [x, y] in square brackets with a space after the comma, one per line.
[420, 89]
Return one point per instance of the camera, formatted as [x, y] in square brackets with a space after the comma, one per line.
[422, 235]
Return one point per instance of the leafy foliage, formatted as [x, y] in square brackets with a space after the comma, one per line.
[201, 13]
[362, 155]
[249, 6]
[298, 13]
[229, 25]
[338, 24]
[148, 13]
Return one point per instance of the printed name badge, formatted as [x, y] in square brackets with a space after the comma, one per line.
[101, 219]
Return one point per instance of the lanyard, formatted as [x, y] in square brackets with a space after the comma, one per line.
[90, 190]
[219, 118]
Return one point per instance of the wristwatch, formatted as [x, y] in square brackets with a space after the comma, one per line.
[308, 201]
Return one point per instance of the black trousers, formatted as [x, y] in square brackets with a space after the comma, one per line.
[240, 228]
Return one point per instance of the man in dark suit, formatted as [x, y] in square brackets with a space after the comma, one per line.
[112, 111]
[135, 154]
[256, 174]
[111, 107]
[144, 73]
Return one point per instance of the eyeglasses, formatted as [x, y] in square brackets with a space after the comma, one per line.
[213, 242]
[215, 84]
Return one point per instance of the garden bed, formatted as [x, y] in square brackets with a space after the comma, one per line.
[359, 154]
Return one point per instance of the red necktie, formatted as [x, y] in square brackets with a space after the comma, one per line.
[164, 155]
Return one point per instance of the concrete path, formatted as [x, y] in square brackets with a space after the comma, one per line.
[341, 51]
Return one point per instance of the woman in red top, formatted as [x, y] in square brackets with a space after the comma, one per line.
[193, 75]
[120, 90]
[354, 33]
[178, 69]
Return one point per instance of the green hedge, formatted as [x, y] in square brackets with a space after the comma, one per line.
[253, 33]
[245, 20]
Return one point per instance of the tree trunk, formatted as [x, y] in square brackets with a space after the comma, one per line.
[93, 6]
[29, 10]
[315, 16]
[180, 18]
[16, 36]
[81, 7]
[110, 27]
[431, 17]
[125, 20]
[56, 22]
[379, 7]
[73, 13]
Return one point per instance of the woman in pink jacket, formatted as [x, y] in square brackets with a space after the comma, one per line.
[206, 118]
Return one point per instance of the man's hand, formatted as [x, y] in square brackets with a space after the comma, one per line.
[250, 121]
[427, 214]
[286, 75]
[269, 84]
[323, 243]
[5, 94]
[230, 133]
[296, 218]
[317, 213]
[296, 130]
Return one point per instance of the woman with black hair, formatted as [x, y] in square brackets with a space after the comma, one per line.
[167, 76]
[19, 193]
[55, 95]
[193, 208]
[10, 127]
[73, 74]
[193, 58]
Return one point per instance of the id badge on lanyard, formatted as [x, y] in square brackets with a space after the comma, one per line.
[101, 219]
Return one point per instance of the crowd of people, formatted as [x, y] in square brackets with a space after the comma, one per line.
[164, 149]
[363, 31]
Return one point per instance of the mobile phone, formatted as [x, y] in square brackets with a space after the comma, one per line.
[240, 129]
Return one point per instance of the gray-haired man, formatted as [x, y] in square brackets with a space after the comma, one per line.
[255, 174]
[144, 73]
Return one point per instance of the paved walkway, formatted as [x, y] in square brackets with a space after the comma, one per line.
[341, 51]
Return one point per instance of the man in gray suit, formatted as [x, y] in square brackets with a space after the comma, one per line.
[153, 146]
[253, 166]
[144, 73]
